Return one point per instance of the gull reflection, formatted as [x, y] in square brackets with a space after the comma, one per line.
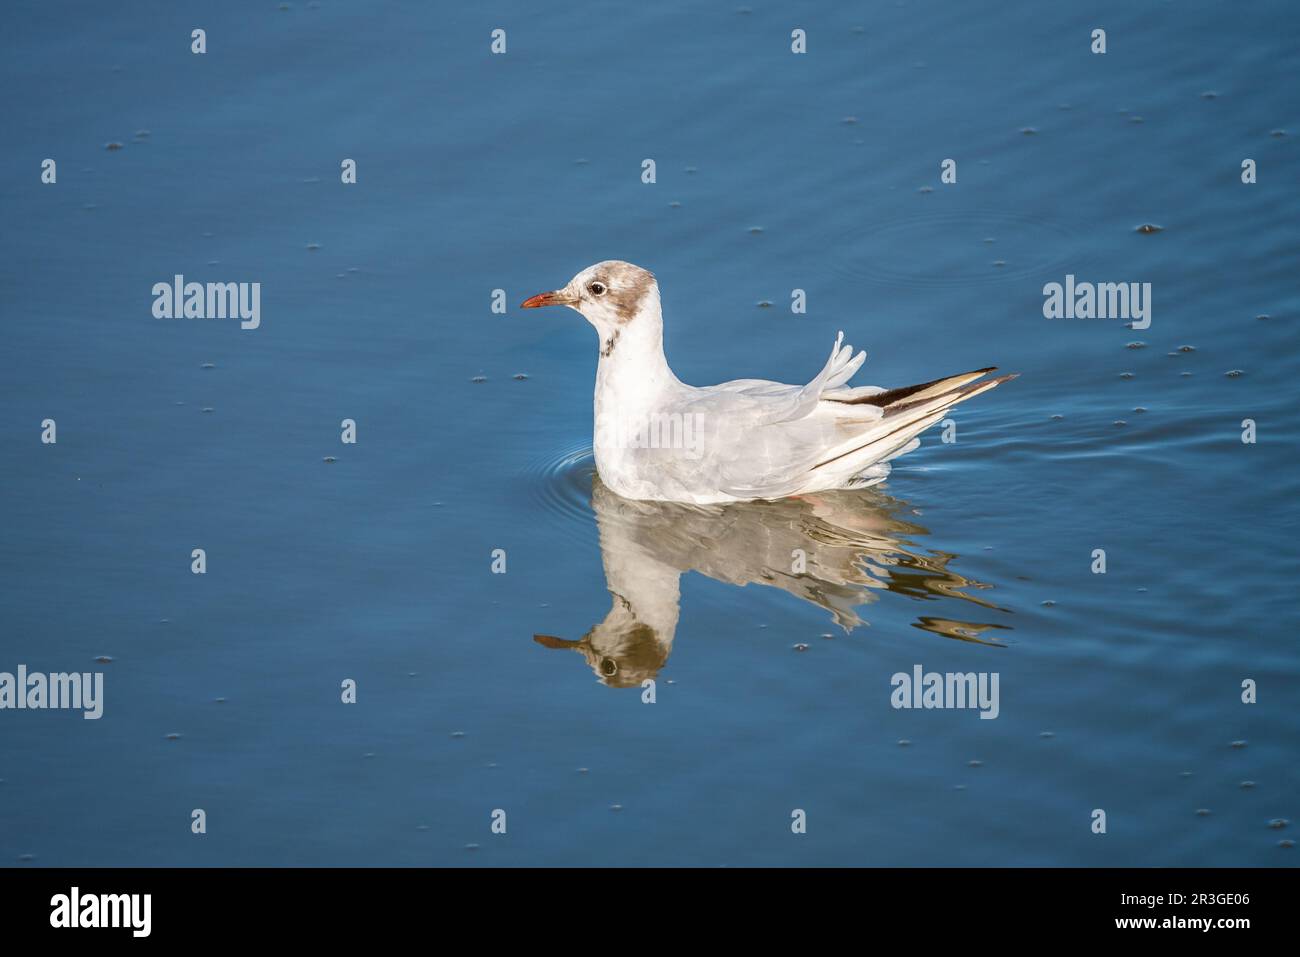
[838, 550]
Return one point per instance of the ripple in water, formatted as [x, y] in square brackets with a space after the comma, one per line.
[561, 485]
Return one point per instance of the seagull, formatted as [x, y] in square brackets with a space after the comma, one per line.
[658, 439]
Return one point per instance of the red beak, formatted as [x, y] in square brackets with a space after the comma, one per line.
[546, 299]
[550, 641]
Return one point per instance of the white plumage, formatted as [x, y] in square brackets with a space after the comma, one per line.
[658, 438]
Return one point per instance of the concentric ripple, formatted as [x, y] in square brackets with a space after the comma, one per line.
[561, 486]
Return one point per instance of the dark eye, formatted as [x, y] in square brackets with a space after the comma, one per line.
[608, 667]
[597, 288]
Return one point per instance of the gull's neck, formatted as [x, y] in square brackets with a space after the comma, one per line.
[633, 371]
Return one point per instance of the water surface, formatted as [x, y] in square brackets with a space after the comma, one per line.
[774, 172]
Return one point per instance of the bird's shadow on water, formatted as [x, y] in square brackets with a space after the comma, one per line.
[837, 550]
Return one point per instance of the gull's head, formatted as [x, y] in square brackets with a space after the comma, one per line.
[609, 295]
[622, 653]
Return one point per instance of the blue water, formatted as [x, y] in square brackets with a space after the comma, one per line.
[775, 171]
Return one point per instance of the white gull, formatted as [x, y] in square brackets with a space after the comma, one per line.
[658, 438]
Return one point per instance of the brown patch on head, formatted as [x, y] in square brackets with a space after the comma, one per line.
[628, 286]
[633, 655]
[626, 656]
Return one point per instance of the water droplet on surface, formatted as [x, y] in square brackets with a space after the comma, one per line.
[849, 120]
[926, 189]
[1246, 785]
[1238, 744]
[479, 378]
[1203, 812]
[1047, 734]
[1028, 131]
[904, 743]
[1210, 95]
[1126, 375]
[616, 807]
[974, 764]
[208, 365]
[313, 246]
[104, 660]
[755, 230]
[800, 646]
[174, 736]
[458, 734]
[1138, 344]
[1149, 228]
[764, 304]
[1048, 603]
[1278, 823]
[329, 459]
[113, 146]
[1286, 843]
[520, 376]
[1234, 373]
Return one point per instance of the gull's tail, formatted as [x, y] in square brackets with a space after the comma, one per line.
[907, 412]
